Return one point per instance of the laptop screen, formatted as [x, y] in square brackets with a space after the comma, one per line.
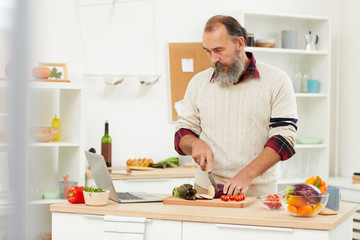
[101, 173]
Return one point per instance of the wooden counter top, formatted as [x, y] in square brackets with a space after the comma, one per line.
[178, 172]
[255, 214]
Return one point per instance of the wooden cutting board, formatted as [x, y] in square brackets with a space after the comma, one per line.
[210, 203]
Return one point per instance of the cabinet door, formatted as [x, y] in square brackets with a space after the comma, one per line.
[162, 230]
[195, 231]
[77, 226]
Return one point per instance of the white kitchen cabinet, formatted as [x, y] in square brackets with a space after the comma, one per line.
[50, 161]
[194, 231]
[313, 108]
[151, 185]
[84, 226]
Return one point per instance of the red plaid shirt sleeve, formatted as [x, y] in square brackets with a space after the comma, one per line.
[178, 135]
[281, 146]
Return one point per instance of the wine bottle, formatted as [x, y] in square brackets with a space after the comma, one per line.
[106, 145]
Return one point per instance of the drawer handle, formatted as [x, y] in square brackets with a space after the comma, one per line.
[276, 229]
[93, 216]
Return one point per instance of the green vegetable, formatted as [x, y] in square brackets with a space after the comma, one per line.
[185, 191]
[93, 189]
[169, 162]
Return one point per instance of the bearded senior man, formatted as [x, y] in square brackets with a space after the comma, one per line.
[239, 117]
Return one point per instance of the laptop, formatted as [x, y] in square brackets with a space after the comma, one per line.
[103, 180]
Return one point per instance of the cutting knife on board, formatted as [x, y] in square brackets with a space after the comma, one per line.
[212, 180]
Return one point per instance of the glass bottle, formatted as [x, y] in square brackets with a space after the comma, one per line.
[296, 76]
[306, 76]
[106, 145]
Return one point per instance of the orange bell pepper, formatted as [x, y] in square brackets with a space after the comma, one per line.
[317, 182]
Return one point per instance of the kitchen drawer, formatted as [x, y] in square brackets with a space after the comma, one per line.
[91, 227]
[196, 231]
[77, 226]
[153, 185]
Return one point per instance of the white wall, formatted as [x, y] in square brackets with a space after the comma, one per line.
[141, 126]
[349, 89]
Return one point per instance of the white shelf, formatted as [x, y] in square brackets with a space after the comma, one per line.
[47, 85]
[55, 85]
[309, 146]
[344, 182]
[311, 95]
[284, 50]
[286, 16]
[54, 144]
[47, 201]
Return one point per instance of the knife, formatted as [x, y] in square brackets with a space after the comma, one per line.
[212, 180]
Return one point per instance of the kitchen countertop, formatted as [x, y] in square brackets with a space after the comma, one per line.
[255, 214]
[178, 172]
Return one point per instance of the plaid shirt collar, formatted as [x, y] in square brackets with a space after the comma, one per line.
[251, 70]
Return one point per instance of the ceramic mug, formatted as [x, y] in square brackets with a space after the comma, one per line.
[334, 198]
[313, 86]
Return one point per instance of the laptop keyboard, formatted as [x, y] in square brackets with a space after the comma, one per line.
[127, 196]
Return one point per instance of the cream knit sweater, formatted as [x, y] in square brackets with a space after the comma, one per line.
[234, 120]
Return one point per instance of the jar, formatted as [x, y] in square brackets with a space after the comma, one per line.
[250, 40]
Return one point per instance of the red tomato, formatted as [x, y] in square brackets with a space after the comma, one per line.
[232, 197]
[224, 198]
[242, 197]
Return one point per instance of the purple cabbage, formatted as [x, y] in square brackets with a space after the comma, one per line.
[309, 192]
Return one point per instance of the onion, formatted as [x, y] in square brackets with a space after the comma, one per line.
[220, 192]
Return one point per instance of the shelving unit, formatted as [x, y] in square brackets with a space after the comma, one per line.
[50, 161]
[313, 108]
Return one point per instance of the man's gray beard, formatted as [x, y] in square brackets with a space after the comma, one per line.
[233, 73]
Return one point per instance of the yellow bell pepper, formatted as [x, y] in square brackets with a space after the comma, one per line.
[317, 182]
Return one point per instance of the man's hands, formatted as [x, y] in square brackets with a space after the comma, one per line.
[240, 183]
[199, 150]
[202, 155]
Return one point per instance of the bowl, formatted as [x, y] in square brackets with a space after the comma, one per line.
[44, 134]
[271, 202]
[267, 43]
[96, 198]
[298, 206]
[50, 194]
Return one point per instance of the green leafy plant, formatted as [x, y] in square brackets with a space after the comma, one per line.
[93, 189]
[55, 74]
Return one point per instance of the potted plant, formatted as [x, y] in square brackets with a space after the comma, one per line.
[96, 196]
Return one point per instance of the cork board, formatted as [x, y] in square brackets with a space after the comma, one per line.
[180, 79]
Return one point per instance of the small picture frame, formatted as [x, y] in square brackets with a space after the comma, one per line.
[58, 71]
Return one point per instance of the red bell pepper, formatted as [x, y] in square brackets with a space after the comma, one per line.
[75, 194]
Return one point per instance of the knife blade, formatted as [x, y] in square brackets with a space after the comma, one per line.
[212, 180]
